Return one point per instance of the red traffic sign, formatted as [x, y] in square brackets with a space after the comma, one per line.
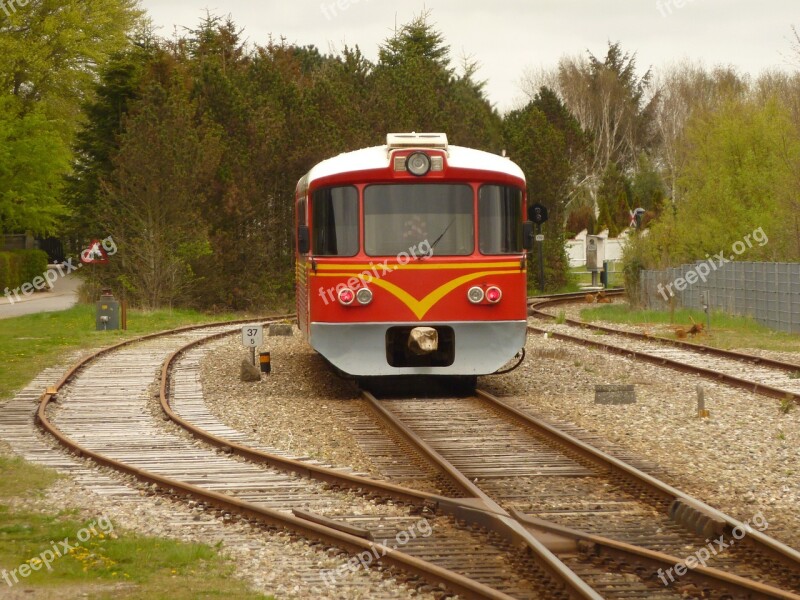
[95, 254]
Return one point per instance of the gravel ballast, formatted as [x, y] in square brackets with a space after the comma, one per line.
[742, 460]
[295, 409]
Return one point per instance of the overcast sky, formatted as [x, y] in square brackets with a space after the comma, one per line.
[508, 37]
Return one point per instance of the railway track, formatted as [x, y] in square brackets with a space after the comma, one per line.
[474, 529]
[106, 418]
[629, 529]
[768, 377]
[615, 527]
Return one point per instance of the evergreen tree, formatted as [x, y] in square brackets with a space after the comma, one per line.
[97, 141]
[614, 202]
[539, 149]
[415, 88]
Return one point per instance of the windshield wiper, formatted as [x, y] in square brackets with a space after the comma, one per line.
[438, 239]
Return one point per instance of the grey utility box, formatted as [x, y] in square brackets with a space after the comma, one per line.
[595, 252]
[107, 312]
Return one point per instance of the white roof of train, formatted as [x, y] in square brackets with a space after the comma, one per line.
[378, 157]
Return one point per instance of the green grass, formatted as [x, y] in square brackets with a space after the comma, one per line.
[30, 343]
[576, 276]
[20, 477]
[150, 567]
[727, 331]
[581, 275]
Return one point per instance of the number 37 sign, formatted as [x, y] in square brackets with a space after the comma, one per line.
[252, 336]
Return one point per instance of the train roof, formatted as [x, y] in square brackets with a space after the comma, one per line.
[378, 157]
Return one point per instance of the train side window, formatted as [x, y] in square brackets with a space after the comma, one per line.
[302, 211]
[303, 236]
[334, 221]
[500, 219]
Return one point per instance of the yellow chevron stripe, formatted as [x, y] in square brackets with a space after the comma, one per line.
[421, 307]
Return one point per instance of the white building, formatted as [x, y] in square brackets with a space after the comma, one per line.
[576, 247]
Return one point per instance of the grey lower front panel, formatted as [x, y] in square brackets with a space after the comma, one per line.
[360, 348]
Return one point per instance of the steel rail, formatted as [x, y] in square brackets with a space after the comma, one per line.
[462, 508]
[549, 535]
[569, 296]
[535, 310]
[150, 336]
[350, 543]
[475, 507]
[324, 474]
[772, 547]
[656, 562]
[732, 380]
[487, 510]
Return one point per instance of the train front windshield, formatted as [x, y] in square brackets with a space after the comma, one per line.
[417, 219]
[401, 218]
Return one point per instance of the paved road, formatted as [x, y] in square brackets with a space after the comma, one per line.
[64, 295]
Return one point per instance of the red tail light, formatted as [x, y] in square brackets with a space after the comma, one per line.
[493, 295]
[346, 296]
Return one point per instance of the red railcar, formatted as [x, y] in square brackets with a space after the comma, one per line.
[411, 259]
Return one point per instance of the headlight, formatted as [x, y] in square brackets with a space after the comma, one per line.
[418, 164]
[364, 296]
[475, 295]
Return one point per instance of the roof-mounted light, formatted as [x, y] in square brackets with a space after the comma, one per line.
[418, 164]
[436, 141]
[401, 163]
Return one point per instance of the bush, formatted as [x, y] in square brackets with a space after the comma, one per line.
[579, 219]
[5, 270]
[9, 269]
[32, 263]
[21, 266]
[633, 261]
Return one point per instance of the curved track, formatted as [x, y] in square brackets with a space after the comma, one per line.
[540, 558]
[768, 377]
[103, 417]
